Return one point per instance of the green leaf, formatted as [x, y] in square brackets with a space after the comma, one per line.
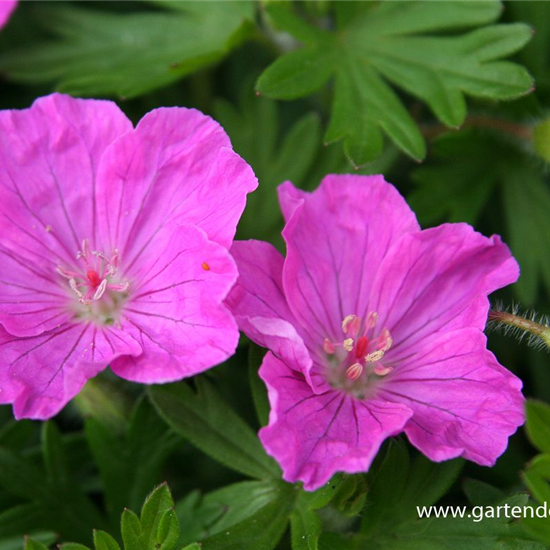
[537, 477]
[73, 546]
[454, 533]
[36, 540]
[399, 486]
[157, 504]
[387, 485]
[126, 54]
[261, 531]
[168, 531]
[298, 73]
[194, 546]
[54, 456]
[104, 541]
[538, 424]
[225, 507]
[212, 426]
[32, 544]
[132, 534]
[336, 541]
[23, 518]
[305, 526]
[402, 44]
[480, 493]
[320, 498]
[130, 463]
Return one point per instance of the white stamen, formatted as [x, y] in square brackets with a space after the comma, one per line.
[355, 371]
[348, 344]
[374, 356]
[74, 288]
[328, 346]
[100, 290]
[350, 324]
[381, 370]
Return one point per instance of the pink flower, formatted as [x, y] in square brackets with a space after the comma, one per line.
[6, 9]
[374, 328]
[114, 247]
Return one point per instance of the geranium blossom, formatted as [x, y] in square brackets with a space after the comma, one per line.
[374, 328]
[114, 247]
[6, 9]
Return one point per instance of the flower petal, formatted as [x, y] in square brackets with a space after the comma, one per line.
[464, 402]
[176, 310]
[438, 280]
[336, 240]
[6, 9]
[31, 300]
[177, 165]
[40, 374]
[259, 305]
[313, 436]
[49, 155]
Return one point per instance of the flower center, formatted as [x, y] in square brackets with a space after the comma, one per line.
[99, 290]
[356, 361]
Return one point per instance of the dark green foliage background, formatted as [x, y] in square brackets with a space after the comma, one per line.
[407, 89]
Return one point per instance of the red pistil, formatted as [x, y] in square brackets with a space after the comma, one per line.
[361, 346]
[93, 277]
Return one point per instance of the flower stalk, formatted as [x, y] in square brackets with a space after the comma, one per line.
[512, 323]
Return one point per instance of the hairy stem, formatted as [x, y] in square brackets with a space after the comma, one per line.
[534, 329]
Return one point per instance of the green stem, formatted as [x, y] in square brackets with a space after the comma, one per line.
[538, 330]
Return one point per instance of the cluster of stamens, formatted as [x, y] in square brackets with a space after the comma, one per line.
[360, 353]
[91, 283]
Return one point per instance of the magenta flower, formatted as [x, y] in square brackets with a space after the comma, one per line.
[6, 9]
[113, 246]
[374, 328]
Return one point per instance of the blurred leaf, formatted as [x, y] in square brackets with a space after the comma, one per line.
[537, 477]
[305, 526]
[55, 501]
[259, 391]
[16, 435]
[130, 464]
[536, 55]
[221, 509]
[351, 495]
[397, 42]
[462, 533]
[314, 500]
[210, 424]
[335, 541]
[480, 493]
[400, 485]
[538, 424]
[456, 185]
[254, 131]
[126, 54]
[36, 540]
[526, 199]
[261, 531]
